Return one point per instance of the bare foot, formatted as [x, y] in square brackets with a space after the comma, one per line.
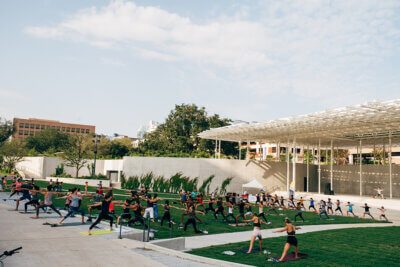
[59, 224]
[36, 217]
[89, 233]
[248, 252]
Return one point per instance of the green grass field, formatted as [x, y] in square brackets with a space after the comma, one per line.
[209, 222]
[377, 246]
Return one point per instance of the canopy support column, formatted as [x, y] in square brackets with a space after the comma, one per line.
[390, 164]
[332, 158]
[278, 152]
[287, 167]
[294, 165]
[240, 150]
[308, 168]
[247, 150]
[219, 150]
[216, 147]
[360, 167]
[319, 166]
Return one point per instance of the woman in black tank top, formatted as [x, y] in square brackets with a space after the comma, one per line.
[291, 239]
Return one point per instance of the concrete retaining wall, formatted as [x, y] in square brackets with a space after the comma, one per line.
[346, 179]
[91, 182]
[270, 174]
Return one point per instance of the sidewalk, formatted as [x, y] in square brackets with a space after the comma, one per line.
[391, 205]
[47, 246]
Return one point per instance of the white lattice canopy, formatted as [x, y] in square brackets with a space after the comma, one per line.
[371, 122]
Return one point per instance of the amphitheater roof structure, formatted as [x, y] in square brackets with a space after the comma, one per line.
[372, 122]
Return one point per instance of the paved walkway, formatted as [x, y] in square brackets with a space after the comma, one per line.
[65, 246]
[221, 239]
[391, 205]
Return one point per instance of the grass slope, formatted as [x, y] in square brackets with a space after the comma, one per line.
[377, 246]
[209, 222]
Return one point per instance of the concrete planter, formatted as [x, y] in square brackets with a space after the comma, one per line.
[91, 182]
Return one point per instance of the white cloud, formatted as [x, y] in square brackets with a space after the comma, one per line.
[311, 49]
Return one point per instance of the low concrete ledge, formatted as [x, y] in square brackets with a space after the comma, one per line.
[91, 182]
[172, 243]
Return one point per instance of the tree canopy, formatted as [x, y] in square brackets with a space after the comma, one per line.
[49, 140]
[179, 133]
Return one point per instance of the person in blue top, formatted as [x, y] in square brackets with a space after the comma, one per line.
[350, 210]
[322, 209]
[311, 205]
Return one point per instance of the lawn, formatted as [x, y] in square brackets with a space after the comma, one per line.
[209, 222]
[376, 246]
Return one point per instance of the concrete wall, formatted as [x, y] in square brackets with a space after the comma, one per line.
[42, 167]
[346, 179]
[91, 182]
[271, 174]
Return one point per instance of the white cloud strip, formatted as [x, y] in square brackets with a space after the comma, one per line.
[297, 46]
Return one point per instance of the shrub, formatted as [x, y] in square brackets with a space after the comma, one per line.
[146, 180]
[175, 182]
[224, 185]
[206, 184]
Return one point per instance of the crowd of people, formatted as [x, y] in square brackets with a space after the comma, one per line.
[191, 204]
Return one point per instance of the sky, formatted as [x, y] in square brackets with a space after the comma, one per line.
[119, 64]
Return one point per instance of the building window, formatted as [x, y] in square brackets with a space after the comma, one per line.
[32, 126]
[63, 129]
[52, 127]
[27, 125]
[31, 133]
[26, 132]
[21, 125]
[87, 130]
[274, 149]
[58, 127]
[73, 130]
[42, 127]
[68, 130]
[20, 132]
[37, 126]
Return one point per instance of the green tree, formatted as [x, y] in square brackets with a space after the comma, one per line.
[48, 140]
[120, 147]
[179, 134]
[6, 130]
[12, 152]
[77, 152]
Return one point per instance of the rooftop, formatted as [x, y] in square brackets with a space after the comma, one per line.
[371, 122]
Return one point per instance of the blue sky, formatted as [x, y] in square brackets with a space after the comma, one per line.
[119, 64]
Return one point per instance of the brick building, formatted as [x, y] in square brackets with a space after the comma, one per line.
[29, 127]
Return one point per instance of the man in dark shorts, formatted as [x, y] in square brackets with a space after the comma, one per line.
[241, 205]
[366, 211]
[26, 194]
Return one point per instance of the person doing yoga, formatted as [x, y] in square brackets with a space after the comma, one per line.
[322, 209]
[350, 209]
[366, 211]
[74, 198]
[256, 231]
[299, 212]
[382, 215]
[167, 214]
[311, 204]
[104, 213]
[191, 212]
[291, 238]
[338, 207]
[48, 202]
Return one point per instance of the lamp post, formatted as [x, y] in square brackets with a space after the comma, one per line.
[96, 141]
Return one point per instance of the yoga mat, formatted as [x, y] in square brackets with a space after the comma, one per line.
[98, 232]
[290, 257]
[244, 250]
[239, 224]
